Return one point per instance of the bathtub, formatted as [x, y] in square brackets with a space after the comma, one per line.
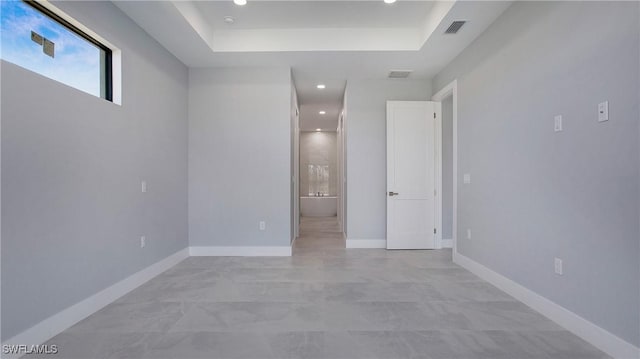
[318, 206]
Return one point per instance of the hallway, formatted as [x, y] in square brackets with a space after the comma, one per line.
[318, 235]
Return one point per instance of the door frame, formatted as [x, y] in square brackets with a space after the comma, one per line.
[295, 176]
[450, 89]
[340, 184]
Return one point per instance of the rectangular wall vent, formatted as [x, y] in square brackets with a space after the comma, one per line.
[399, 74]
[454, 27]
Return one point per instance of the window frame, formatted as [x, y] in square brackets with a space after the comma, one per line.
[107, 67]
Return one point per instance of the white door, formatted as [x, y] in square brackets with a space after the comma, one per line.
[411, 174]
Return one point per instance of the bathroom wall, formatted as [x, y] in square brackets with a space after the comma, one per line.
[318, 148]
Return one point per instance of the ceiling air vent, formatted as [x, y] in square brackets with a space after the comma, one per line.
[399, 74]
[454, 27]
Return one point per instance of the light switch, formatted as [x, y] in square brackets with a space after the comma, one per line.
[467, 178]
[603, 111]
[557, 123]
[557, 265]
[143, 186]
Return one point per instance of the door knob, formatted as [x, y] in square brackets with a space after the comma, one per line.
[391, 194]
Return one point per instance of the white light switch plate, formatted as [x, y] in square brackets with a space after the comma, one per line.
[263, 225]
[467, 178]
[143, 186]
[557, 264]
[603, 111]
[557, 123]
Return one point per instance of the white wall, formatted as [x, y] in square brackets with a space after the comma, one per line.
[365, 104]
[320, 149]
[72, 208]
[239, 156]
[536, 194]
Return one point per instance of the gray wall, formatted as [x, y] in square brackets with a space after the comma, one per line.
[366, 142]
[447, 168]
[536, 194]
[72, 209]
[318, 148]
[239, 156]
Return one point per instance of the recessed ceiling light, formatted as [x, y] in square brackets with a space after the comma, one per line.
[229, 19]
[389, 1]
[318, 129]
[244, 2]
[322, 112]
[321, 86]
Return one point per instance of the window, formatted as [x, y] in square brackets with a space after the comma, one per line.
[37, 39]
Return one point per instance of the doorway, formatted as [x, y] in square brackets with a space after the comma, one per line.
[320, 154]
[448, 175]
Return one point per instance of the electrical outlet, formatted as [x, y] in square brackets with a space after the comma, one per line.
[468, 233]
[263, 225]
[143, 186]
[467, 178]
[143, 241]
[557, 265]
[603, 111]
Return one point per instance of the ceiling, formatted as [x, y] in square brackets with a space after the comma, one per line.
[311, 119]
[328, 42]
[315, 14]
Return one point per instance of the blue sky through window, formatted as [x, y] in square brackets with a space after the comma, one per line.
[76, 62]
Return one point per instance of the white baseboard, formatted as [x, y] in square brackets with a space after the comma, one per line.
[447, 243]
[64, 319]
[215, 251]
[366, 243]
[590, 332]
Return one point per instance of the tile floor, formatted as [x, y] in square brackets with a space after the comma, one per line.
[324, 302]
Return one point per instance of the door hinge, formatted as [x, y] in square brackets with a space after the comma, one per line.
[434, 115]
[434, 231]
